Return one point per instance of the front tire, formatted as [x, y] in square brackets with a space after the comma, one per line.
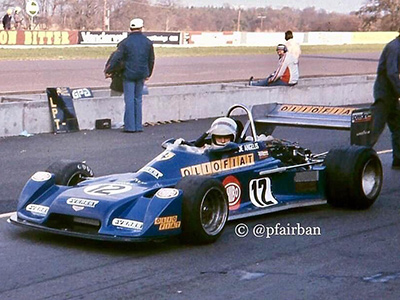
[204, 209]
[354, 177]
[69, 172]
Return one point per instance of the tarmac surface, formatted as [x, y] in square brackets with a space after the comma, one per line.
[356, 256]
[24, 76]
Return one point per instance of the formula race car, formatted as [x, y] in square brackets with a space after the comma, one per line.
[193, 189]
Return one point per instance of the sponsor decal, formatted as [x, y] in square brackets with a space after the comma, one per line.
[167, 223]
[234, 191]
[165, 155]
[152, 171]
[135, 180]
[221, 165]
[167, 193]
[107, 189]
[360, 117]
[62, 110]
[263, 154]
[130, 224]
[364, 132]
[310, 109]
[41, 176]
[249, 147]
[80, 204]
[37, 209]
[260, 192]
[82, 93]
[85, 167]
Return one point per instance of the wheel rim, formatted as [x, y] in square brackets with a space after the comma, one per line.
[213, 212]
[371, 178]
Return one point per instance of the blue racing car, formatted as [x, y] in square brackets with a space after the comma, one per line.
[194, 187]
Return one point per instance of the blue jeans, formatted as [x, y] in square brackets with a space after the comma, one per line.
[133, 91]
[265, 82]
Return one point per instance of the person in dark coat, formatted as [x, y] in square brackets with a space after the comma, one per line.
[116, 86]
[386, 108]
[136, 53]
[7, 20]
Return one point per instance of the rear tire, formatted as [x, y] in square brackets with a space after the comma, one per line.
[354, 177]
[69, 172]
[204, 209]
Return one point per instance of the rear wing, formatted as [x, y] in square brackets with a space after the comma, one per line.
[357, 120]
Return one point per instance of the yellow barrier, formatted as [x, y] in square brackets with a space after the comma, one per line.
[378, 37]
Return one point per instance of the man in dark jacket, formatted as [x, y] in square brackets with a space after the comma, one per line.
[386, 108]
[136, 53]
[7, 20]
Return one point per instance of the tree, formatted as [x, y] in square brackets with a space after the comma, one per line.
[161, 15]
[380, 15]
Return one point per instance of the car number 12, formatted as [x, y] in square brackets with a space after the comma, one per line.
[107, 189]
[260, 192]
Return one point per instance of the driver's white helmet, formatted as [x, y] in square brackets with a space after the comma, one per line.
[223, 126]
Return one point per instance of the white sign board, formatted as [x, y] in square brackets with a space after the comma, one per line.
[32, 8]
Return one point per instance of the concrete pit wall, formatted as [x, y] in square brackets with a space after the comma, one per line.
[186, 102]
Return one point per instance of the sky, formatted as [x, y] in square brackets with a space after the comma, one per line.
[340, 6]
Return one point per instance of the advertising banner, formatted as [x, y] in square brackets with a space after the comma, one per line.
[38, 37]
[114, 37]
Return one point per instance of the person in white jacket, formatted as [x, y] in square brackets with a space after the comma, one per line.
[292, 46]
[287, 72]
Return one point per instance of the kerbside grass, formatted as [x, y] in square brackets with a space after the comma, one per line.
[84, 52]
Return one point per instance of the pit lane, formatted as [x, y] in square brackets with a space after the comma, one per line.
[355, 257]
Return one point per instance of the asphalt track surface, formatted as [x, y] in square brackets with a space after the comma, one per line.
[355, 257]
[22, 76]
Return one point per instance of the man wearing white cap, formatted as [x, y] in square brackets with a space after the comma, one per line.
[136, 53]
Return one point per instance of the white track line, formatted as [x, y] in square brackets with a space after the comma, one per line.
[7, 215]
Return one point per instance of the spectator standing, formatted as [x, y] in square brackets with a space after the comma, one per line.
[292, 46]
[136, 53]
[386, 107]
[116, 86]
[286, 74]
[18, 18]
[7, 19]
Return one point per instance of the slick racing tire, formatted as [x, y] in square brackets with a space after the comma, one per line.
[354, 177]
[69, 172]
[204, 209]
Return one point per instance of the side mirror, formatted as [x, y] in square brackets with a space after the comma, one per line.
[167, 142]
